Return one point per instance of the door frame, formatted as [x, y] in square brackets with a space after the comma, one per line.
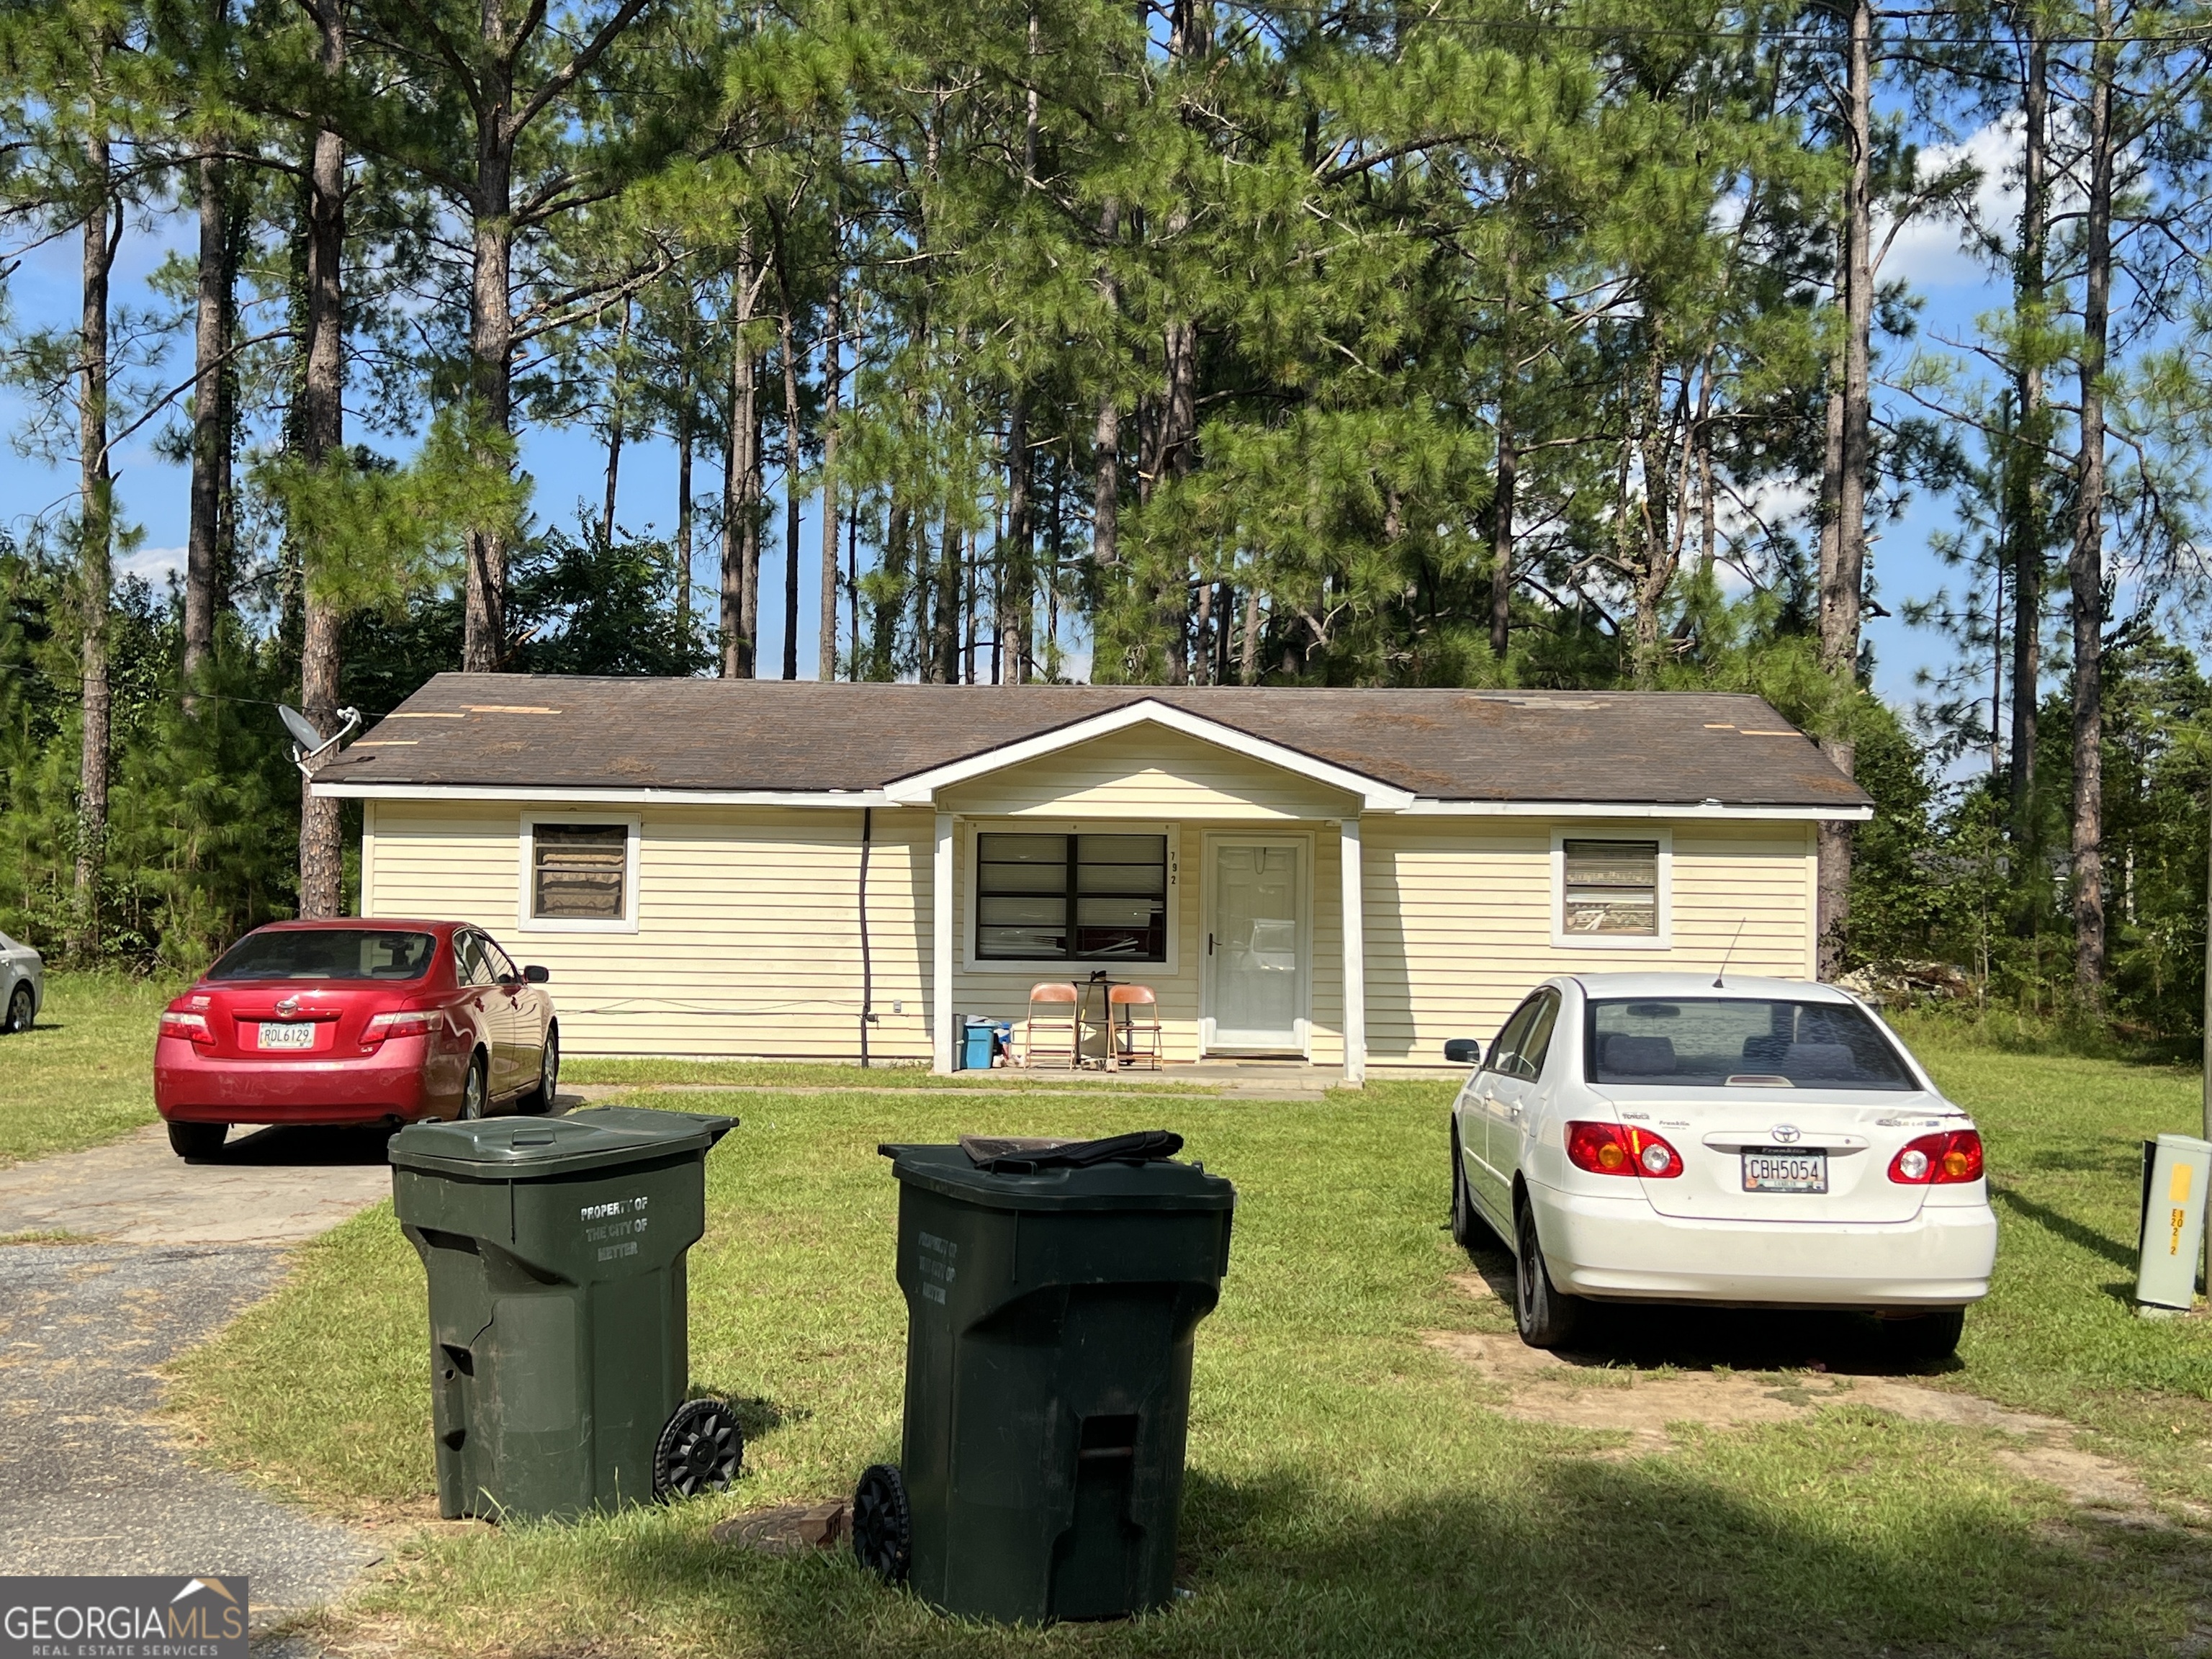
[1209, 884]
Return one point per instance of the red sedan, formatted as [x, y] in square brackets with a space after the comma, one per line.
[354, 1021]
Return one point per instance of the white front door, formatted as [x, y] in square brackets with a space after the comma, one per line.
[1256, 959]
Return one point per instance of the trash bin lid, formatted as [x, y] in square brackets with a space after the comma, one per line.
[530, 1148]
[1161, 1184]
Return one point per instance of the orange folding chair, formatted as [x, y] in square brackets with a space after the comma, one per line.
[1054, 1036]
[1134, 1014]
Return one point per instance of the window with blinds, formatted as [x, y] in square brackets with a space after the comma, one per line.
[578, 872]
[1074, 899]
[1611, 889]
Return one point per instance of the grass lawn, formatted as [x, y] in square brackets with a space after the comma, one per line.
[1352, 1491]
[84, 1073]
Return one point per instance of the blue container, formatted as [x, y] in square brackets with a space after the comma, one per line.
[979, 1040]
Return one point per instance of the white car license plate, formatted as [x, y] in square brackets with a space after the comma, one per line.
[300, 1033]
[1784, 1172]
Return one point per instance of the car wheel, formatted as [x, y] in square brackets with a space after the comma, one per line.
[193, 1141]
[1545, 1318]
[19, 1011]
[541, 1099]
[473, 1090]
[1924, 1338]
[1467, 1228]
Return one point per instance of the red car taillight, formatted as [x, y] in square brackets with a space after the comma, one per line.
[1615, 1149]
[1948, 1159]
[193, 1028]
[399, 1023]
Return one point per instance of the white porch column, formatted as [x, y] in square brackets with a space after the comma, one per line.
[940, 942]
[1355, 953]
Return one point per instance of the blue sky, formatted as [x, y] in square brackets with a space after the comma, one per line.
[567, 463]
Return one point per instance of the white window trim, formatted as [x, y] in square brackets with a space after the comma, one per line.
[1303, 840]
[1561, 939]
[525, 887]
[1067, 968]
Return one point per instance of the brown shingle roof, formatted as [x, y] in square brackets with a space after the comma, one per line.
[543, 731]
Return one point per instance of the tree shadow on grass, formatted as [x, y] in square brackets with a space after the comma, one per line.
[1549, 1556]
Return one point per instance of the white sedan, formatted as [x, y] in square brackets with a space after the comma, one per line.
[1669, 1138]
[22, 985]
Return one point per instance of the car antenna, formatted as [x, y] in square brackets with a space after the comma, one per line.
[1728, 955]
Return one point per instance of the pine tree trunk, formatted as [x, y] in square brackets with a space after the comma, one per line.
[1248, 671]
[1501, 536]
[2085, 567]
[833, 374]
[322, 433]
[491, 343]
[1014, 565]
[96, 503]
[1844, 578]
[210, 429]
[2025, 492]
[740, 473]
[1106, 435]
[791, 496]
[614, 457]
[945, 628]
[685, 509]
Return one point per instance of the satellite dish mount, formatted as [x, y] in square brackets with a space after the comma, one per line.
[310, 748]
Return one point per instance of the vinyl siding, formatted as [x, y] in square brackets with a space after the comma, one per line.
[748, 940]
[748, 937]
[1459, 919]
[1149, 773]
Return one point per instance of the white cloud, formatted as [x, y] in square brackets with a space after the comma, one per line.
[155, 564]
[1930, 251]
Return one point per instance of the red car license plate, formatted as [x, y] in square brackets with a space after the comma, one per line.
[298, 1034]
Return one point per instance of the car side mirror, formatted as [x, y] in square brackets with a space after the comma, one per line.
[1463, 1051]
[536, 975]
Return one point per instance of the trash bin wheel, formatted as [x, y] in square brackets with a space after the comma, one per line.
[699, 1450]
[883, 1526]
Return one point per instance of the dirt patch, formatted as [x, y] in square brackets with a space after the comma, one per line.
[789, 1529]
[1588, 1392]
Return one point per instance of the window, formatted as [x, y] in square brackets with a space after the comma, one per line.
[1750, 1042]
[1610, 887]
[336, 953]
[580, 875]
[475, 967]
[1520, 1048]
[1071, 897]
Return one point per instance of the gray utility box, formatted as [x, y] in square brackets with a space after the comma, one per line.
[2176, 1168]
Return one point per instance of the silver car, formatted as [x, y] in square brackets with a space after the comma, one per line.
[22, 985]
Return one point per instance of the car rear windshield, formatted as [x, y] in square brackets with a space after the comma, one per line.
[1746, 1041]
[328, 953]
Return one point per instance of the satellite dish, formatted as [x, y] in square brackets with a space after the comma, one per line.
[301, 728]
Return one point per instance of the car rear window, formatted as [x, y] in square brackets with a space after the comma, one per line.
[328, 953]
[1700, 1042]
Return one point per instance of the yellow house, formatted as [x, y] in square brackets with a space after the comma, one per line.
[760, 868]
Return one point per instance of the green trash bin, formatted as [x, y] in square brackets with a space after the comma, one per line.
[559, 1350]
[1053, 1289]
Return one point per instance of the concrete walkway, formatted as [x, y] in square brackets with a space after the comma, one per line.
[154, 1256]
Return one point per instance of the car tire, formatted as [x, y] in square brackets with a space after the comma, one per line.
[1923, 1339]
[476, 1090]
[541, 1099]
[195, 1142]
[19, 1010]
[1545, 1318]
[1467, 1226]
